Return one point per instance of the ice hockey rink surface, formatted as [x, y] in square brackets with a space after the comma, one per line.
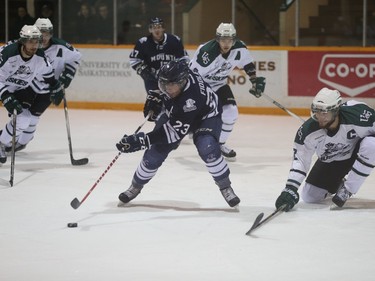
[179, 227]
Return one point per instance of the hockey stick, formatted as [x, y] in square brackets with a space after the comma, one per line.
[75, 162]
[75, 202]
[13, 152]
[259, 222]
[282, 107]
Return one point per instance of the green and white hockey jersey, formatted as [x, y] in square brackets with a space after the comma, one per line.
[215, 67]
[17, 73]
[356, 121]
[62, 56]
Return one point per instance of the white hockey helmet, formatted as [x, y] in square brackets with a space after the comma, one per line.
[44, 25]
[29, 32]
[325, 101]
[226, 30]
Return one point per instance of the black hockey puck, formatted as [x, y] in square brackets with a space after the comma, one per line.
[72, 224]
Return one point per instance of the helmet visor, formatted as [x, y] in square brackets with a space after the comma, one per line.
[171, 89]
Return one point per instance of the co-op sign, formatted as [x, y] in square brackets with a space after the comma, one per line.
[352, 74]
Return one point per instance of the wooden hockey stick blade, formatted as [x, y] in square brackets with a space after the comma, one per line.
[256, 222]
[75, 203]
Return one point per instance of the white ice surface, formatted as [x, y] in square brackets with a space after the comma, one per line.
[179, 227]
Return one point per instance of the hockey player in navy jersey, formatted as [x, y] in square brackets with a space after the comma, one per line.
[214, 61]
[191, 106]
[152, 52]
[22, 65]
[343, 138]
[64, 59]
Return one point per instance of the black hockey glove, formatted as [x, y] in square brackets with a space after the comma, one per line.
[259, 83]
[133, 143]
[66, 78]
[57, 93]
[289, 197]
[145, 72]
[154, 104]
[11, 103]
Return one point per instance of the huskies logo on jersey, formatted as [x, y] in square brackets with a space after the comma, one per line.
[23, 71]
[224, 67]
[334, 149]
[221, 73]
[190, 105]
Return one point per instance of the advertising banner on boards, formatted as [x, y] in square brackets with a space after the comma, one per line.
[353, 74]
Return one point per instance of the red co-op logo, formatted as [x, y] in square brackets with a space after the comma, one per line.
[352, 74]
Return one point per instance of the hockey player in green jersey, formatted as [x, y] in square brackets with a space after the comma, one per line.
[22, 65]
[343, 138]
[214, 61]
[64, 59]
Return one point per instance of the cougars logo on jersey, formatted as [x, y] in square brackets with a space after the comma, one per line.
[189, 105]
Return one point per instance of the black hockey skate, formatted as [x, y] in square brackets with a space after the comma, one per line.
[3, 155]
[230, 196]
[19, 147]
[341, 196]
[129, 194]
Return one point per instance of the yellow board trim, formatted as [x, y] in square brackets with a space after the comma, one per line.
[139, 107]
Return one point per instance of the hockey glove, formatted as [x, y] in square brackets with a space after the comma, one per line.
[154, 104]
[66, 78]
[289, 197]
[57, 93]
[259, 83]
[145, 72]
[133, 143]
[11, 103]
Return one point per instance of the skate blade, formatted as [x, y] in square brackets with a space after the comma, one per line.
[121, 204]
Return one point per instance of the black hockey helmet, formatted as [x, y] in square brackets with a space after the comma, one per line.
[156, 21]
[176, 71]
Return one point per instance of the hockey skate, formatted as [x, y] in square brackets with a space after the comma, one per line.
[341, 196]
[18, 147]
[3, 155]
[130, 194]
[230, 196]
[228, 153]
